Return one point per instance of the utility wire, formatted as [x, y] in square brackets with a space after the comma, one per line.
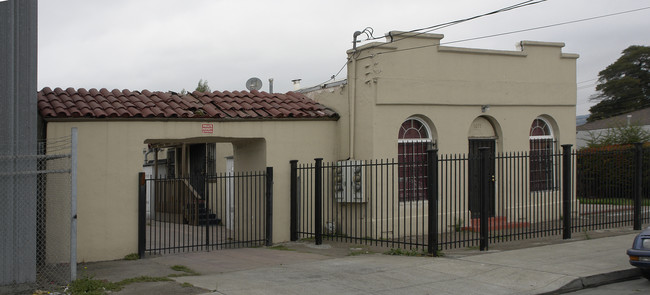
[448, 24]
[547, 26]
[499, 34]
[585, 81]
[439, 26]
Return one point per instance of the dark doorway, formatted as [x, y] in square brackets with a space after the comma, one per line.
[198, 168]
[473, 175]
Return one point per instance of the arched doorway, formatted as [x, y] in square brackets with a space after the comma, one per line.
[482, 134]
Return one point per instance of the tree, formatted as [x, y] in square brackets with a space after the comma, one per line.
[623, 86]
[203, 86]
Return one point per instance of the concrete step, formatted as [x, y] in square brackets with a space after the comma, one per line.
[494, 223]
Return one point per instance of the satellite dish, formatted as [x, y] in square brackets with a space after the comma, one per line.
[254, 84]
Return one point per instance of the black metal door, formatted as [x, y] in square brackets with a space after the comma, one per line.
[198, 168]
[474, 181]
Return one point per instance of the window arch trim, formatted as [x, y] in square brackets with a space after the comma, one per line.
[548, 126]
[424, 124]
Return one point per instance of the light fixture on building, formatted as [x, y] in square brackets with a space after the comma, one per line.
[485, 108]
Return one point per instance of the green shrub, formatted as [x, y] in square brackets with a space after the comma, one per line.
[608, 171]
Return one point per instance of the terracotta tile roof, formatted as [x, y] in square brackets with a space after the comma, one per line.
[93, 103]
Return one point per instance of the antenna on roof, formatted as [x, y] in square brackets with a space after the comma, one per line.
[254, 84]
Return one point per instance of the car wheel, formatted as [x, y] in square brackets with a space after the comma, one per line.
[645, 273]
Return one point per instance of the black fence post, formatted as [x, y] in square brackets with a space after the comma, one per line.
[566, 191]
[432, 197]
[206, 201]
[293, 226]
[142, 213]
[318, 201]
[638, 185]
[269, 206]
[484, 177]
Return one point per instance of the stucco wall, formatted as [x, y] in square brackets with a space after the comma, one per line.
[446, 86]
[110, 157]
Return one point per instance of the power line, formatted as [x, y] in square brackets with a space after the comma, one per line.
[496, 35]
[438, 26]
[546, 26]
[585, 81]
[451, 23]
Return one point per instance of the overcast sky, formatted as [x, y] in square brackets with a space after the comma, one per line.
[171, 44]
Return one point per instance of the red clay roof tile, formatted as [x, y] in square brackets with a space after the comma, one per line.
[262, 113]
[157, 111]
[86, 112]
[100, 113]
[93, 103]
[147, 113]
[251, 113]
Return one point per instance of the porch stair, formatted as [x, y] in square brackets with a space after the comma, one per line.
[197, 214]
[494, 224]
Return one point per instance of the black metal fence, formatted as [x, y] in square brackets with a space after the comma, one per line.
[230, 211]
[612, 187]
[477, 199]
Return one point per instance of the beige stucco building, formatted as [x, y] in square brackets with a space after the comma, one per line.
[407, 91]
[111, 150]
[459, 93]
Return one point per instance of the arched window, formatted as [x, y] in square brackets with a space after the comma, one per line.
[412, 143]
[542, 145]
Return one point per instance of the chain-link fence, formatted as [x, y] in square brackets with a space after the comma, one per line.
[37, 215]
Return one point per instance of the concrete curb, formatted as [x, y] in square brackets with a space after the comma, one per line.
[598, 280]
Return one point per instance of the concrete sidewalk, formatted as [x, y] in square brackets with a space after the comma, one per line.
[538, 270]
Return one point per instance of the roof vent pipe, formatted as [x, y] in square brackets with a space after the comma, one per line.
[354, 41]
[270, 85]
[296, 84]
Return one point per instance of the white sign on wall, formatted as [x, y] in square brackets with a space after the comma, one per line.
[207, 128]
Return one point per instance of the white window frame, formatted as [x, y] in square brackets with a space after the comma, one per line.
[402, 188]
[552, 181]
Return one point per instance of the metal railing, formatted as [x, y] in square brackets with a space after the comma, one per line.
[612, 187]
[234, 210]
[503, 200]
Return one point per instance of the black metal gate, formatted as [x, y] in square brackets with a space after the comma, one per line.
[227, 210]
[474, 180]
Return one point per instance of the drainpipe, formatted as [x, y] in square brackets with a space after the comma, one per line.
[352, 92]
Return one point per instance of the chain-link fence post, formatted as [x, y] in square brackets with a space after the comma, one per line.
[38, 185]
